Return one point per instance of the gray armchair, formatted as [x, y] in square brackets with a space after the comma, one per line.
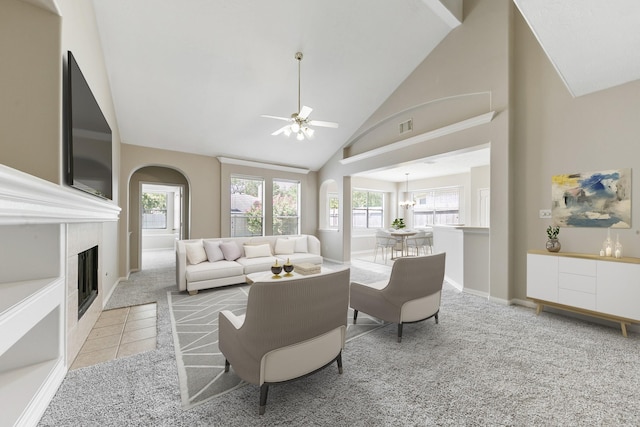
[412, 293]
[291, 328]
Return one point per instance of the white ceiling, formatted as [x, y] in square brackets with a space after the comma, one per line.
[195, 75]
[594, 44]
[431, 167]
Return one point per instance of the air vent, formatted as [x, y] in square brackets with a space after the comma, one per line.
[406, 126]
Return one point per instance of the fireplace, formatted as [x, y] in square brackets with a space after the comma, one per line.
[87, 279]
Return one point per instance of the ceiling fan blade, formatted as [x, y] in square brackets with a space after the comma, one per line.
[276, 117]
[304, 112]
[281, 130]
[323, 124]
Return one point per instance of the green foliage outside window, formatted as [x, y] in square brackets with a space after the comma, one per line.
[154, 202]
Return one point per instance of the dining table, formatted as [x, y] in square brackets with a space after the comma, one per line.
[403, 234]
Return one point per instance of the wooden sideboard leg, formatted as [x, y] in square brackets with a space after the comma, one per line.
[539, 308]
[623, 326]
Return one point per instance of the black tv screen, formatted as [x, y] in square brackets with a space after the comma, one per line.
[88, 137]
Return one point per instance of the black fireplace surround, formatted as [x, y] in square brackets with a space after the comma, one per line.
[87, 279]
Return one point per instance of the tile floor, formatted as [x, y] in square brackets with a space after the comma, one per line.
[118, 333]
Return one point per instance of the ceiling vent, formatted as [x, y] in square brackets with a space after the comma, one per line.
[406, 126]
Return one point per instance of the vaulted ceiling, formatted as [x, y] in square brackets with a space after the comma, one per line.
[196, 75]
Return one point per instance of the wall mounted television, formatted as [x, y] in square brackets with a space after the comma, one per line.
[88, 138]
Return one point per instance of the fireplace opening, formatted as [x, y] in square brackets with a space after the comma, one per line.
[87, 279]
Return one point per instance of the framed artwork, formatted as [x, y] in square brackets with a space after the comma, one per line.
[592, 199]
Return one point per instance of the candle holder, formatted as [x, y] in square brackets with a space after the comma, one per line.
[607, 245]
[618, 248]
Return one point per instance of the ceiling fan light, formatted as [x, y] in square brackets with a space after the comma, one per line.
[287, 131]
[309, 132]
[295, 127]
[300, 136]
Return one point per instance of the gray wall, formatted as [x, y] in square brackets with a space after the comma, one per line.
[33, 45]
[554, 134]
[466, 75]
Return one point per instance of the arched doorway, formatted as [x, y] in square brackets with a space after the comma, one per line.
[161, 179]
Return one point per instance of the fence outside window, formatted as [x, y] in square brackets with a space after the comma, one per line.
[436, 206]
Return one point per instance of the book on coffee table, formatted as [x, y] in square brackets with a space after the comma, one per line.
[306, 268]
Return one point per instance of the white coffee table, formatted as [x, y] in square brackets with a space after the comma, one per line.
[267, 276]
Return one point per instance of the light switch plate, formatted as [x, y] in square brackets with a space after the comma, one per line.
[545, 213]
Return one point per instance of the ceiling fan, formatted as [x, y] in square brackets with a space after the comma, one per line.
[299, 122]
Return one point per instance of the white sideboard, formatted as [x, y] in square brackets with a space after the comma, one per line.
[603, 287]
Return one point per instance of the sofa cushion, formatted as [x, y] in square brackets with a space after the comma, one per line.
[231, 250]
[213, 270]
[301, 244]
[256, 251]
[285, 246]
[254, 265]
[299, 258]
[195, 252]
[212, 248]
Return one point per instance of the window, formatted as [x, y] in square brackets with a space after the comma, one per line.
[154, 211]
[247, 213]
[367, 209]
[334, 205]
[436, 206]
[286, 207]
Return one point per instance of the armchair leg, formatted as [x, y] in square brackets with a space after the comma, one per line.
[226, 365]
[339, 361]
[400, 332]
[355, 316]
[436, 316]
[264, 390]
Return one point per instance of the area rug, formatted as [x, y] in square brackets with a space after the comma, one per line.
[194, 322]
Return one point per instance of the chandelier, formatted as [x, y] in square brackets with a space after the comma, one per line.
[408, 203]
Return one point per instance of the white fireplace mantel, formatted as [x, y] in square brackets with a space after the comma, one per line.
[26, 199]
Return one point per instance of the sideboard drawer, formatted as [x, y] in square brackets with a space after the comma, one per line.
[577, 299]
[584, 267]
[576, 282]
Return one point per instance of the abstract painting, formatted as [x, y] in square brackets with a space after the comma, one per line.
[592, 199]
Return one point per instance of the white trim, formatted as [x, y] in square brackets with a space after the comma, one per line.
[249, 163]
[437, 133]
[476, 293]
[26, 199]
[453, 283]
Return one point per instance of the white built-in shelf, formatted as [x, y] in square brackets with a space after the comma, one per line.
[15, 293]
[33, 217]
[18, 386]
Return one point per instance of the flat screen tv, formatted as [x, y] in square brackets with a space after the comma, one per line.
[88, 147]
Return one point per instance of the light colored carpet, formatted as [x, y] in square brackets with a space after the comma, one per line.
[195, 333]
[484, 365]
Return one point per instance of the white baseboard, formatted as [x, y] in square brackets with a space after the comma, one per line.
[453, 283]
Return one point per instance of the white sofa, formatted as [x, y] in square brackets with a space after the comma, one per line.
[209, 263]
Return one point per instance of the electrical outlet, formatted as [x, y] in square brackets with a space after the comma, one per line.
[545, 213]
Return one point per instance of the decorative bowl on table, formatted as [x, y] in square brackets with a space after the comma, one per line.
[276, 269]
[288, 268]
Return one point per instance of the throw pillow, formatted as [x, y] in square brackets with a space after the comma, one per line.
[257, 251]
[285, 246]
[195, 253]
[230, 250]
[301, 244]
[212, 248]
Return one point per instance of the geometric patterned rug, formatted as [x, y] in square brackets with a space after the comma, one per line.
[194, 323]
